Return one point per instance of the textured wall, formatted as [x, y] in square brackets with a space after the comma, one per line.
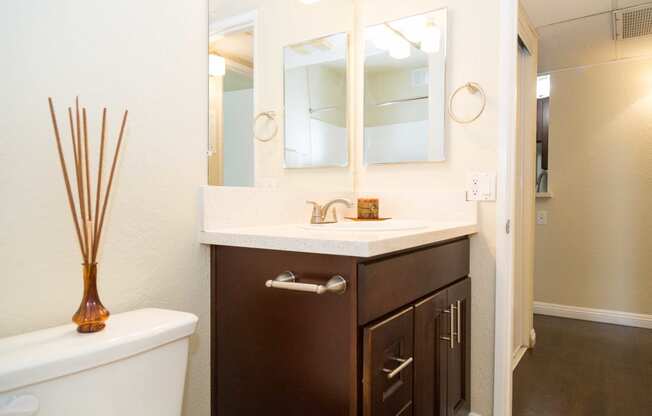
[595, 250]
[149, 56]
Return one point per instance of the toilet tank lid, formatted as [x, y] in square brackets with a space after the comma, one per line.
[50, 353]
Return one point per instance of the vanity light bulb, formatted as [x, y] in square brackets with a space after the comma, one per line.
[399, 49]
[380, 37]
[216, 66]
[431, 41]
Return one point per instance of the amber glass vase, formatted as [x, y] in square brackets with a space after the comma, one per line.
[91, 315]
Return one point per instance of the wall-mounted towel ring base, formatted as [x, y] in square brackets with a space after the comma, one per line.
[271, 117]
[473, 88]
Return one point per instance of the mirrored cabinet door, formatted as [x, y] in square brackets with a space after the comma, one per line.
[315, 103]
[405, 90]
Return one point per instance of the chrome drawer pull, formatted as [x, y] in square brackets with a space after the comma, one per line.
[287, 281]
[451, 338]
[404, 363]
[459, 322]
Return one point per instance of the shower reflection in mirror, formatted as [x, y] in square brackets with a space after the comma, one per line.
[405, 90]
[315, 103]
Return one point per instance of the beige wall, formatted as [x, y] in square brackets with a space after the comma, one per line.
[148, 56]
[595, 250]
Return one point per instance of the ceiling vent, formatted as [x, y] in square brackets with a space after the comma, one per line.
[633, 22]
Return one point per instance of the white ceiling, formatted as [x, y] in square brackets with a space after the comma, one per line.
[575, 33]
[546, 12]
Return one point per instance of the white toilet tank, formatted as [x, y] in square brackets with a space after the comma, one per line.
[134, 367]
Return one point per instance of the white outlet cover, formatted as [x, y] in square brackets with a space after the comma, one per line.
[542, 217]
[481, 186]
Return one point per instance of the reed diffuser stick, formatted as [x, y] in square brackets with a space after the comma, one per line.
[72, 135]
[80, 172]
[99, 183]
[108, 189]
[89, 210]
[66, 179]
[87, 178]
[77, 173]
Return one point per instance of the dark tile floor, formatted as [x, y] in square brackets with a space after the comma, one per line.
[581, 368]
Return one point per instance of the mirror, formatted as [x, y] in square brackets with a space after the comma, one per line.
[315, 103]
[405, 90]
[231, 107]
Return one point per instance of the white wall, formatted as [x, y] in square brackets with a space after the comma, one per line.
[595, 250]
[238, 139]
[147, 56]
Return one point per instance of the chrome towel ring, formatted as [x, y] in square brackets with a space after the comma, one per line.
[271, 117]
[473, 88]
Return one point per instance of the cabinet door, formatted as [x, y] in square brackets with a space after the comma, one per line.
[388, 366]
[459, 356]
[431, 326]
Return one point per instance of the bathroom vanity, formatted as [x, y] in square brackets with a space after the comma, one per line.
[351, 325]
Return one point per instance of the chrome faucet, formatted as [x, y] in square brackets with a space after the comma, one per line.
[319, 212]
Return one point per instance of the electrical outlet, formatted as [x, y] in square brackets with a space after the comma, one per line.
[481, 186]
[542, 217]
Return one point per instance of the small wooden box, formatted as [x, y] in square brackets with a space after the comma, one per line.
[368, 208]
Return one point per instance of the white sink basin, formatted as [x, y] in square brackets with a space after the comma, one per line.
[375, 226]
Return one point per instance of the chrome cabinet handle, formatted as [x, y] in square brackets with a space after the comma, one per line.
[287, 281]
[404, 364]
[451, 338]
[459, 321]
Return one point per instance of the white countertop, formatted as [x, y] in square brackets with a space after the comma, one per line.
[292, 237]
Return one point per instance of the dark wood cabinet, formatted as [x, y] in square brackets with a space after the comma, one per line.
[387, 366]
[380, 348]
[459, 353]
[431, 326]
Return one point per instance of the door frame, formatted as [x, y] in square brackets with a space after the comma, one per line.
[508, 39]
[513, 23]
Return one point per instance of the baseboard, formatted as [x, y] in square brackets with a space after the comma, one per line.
[594, 315]
[518, 356]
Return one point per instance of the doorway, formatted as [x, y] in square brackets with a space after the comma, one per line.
[592, 269]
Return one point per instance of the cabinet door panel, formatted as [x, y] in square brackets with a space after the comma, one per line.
[431, 324]
[459, 357]
[388, 346]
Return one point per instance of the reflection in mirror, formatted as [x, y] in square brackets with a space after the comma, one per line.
[231, 108]
[405, 90]
[315, 103]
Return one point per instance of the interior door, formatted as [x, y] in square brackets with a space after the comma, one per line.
[459, 353]
[524, 202]
[431, 327]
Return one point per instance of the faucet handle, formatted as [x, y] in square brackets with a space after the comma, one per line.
[315, 218]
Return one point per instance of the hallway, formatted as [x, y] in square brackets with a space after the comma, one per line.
[581, 368]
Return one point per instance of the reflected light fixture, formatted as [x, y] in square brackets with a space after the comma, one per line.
[431, 40]
[399, 49]
[216, 66]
